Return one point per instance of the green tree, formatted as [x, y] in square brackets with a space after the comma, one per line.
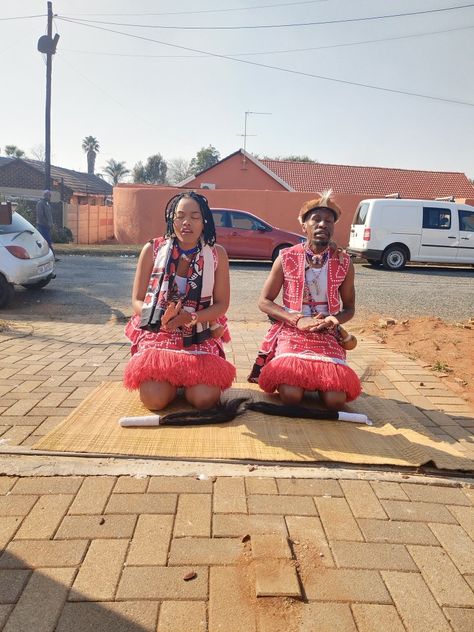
[153, 172]
[178, 170]
[290, 158]
[116, 171]
[90, 145]
[13, 150]
[206, 157]
[139, 173]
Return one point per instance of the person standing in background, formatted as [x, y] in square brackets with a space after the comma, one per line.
[44, 219]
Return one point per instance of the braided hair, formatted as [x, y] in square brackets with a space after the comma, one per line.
[209, 232]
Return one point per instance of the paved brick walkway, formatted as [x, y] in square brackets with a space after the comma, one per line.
[325, 550]
[234, 554]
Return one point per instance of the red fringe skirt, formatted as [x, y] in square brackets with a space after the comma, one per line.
[161, 357]
[312, 361]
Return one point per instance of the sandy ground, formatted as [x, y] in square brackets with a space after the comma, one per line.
[447, 348]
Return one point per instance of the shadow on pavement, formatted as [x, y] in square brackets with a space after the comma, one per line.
[38, 598]
[50, 304]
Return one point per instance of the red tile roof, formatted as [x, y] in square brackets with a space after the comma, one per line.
[371, 181]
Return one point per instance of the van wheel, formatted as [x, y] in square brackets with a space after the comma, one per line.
[6, 291]
[278, 249]
[394, 258]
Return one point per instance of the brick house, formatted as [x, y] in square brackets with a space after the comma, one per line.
[241, 170]
[274, 190]
[21, 177]
[80, 201]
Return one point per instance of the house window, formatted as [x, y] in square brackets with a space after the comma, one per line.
[436, 218]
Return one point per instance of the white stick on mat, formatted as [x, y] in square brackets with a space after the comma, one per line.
[150, 421]
[143, 421]
[357, 418]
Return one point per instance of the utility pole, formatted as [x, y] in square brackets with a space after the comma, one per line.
[47, 45]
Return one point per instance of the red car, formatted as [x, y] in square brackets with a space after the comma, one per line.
[246, 236]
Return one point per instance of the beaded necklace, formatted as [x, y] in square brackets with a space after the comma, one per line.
[187, 254]
[319, 259]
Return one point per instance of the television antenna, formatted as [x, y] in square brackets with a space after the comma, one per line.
[245, 135]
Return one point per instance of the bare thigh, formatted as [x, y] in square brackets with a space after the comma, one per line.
[157, 395]
[203, 397]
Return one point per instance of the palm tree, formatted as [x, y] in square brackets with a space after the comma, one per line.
[13, 150]
[90, 145]
[116, 170]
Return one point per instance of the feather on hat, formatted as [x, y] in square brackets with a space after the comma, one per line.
[323, 200]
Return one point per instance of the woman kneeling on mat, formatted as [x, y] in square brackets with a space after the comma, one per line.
[180, 296]
[304, 349]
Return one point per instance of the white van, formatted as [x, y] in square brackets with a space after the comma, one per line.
[391, 232]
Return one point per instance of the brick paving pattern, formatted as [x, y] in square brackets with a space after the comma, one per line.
[129, 563]
[246, 553]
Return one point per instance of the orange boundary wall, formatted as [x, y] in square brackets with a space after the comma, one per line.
[139, 209]
[89, 224]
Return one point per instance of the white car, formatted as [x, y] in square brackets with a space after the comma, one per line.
[25, 258]
[390, 232]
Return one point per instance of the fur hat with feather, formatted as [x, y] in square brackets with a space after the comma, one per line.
[323, 200]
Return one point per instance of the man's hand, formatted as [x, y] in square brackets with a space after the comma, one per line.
[329, 322]
[307, 323]
[293, 318]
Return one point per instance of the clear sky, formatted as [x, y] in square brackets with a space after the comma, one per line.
[139, 97]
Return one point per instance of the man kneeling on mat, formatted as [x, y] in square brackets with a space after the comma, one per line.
[304, 350]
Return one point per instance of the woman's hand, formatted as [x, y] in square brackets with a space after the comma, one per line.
[183, 318]
[170, 313]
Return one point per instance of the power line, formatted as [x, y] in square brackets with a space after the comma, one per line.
[101, 89]
[278, 68]
[126, 109]
[262, 6]
[275, 26]
[274, 52]
[23, 17]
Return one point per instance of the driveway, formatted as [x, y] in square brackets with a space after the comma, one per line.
[97, 290]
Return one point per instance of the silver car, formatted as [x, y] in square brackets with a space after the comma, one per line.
[25, 258]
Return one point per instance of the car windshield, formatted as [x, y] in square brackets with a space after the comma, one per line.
[18, 224]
